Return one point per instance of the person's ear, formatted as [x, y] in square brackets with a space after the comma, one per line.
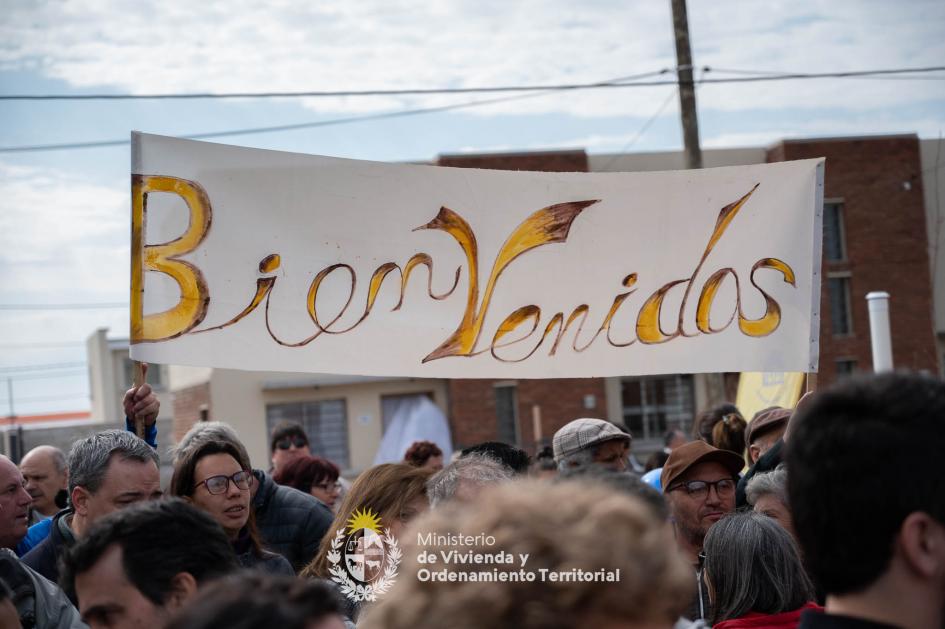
[182, 588]
[80, 500]
[922, 544]
[754, 453]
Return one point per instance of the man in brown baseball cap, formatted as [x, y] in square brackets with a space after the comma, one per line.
[699, 484]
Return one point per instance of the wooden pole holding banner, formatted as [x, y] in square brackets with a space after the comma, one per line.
[141, 372]
[536, 423]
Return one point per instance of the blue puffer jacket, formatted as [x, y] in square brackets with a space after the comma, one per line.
[290, 523]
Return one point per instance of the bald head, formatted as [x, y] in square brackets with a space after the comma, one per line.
[46, 474]
[14, 504]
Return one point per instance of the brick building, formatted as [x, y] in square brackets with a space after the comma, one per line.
[874, 239]
[877, 210]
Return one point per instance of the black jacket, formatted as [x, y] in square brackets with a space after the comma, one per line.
[765, 463]
[290, 523]
[44, 557]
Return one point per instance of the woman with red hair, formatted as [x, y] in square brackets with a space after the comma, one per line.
[313, 475]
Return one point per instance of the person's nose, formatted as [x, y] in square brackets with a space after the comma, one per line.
[232, 489]
[25, 497]
[713, 497]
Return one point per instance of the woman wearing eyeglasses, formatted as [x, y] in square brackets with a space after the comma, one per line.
[313, 475]
[214, 478]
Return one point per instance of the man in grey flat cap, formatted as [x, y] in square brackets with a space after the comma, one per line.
[588, 441]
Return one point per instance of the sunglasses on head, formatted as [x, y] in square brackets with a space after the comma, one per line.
[287, 442]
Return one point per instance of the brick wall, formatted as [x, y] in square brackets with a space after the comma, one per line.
[473, 417]
[188, 404]
[879, 181]
[472, 403]
[551, 161]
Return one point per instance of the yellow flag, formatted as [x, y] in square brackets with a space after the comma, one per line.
[758, 390]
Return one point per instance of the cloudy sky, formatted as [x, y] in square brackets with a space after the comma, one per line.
[64, 213]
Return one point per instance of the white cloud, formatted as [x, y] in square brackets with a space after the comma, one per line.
[168, 46]
[62, 239]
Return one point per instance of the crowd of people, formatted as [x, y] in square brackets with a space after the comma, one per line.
[831, 514]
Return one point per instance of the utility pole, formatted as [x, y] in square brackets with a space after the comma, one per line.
[687, 90]
[714, 382]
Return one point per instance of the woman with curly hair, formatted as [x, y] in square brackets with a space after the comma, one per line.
[424, 454]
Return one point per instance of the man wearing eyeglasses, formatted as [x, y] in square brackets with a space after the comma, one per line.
[289, 442]
[699, 483]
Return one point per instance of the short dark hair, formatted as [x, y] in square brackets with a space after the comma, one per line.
[283, 430]
[304, 472]
[513, 458]
[863, 456]
[753, 566]
[250, 599]
[158, 540]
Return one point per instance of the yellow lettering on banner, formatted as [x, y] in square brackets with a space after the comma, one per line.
[770, 321]
[548, 225]
[164, 258]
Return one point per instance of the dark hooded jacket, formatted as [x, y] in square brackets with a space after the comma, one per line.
[290, 523]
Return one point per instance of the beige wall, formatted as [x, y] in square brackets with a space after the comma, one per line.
[673, 160]
[240, 398]
[107, 386]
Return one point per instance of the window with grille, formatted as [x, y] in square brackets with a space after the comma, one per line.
[845, 367]
[506, 401]
[835, 249]
[841, 321]
[325, 422]
[653, 405]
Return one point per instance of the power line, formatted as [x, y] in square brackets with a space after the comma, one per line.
[46, 367]
[41, 345]
[78, 306]
[464, 105]
[339, 93]
[643, 129]
[612, 83]
[41, 376]
[286, 127]
[51, 398]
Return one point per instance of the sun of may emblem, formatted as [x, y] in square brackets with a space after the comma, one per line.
[364, 562]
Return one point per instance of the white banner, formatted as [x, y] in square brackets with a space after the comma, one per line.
[262, 260]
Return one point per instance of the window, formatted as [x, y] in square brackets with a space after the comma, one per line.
[506, 402]
[841, 321]
[835, 249]
[325, 422]
[653, 405]
[845, 367]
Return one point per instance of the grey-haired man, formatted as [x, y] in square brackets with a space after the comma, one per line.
[108, 471]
